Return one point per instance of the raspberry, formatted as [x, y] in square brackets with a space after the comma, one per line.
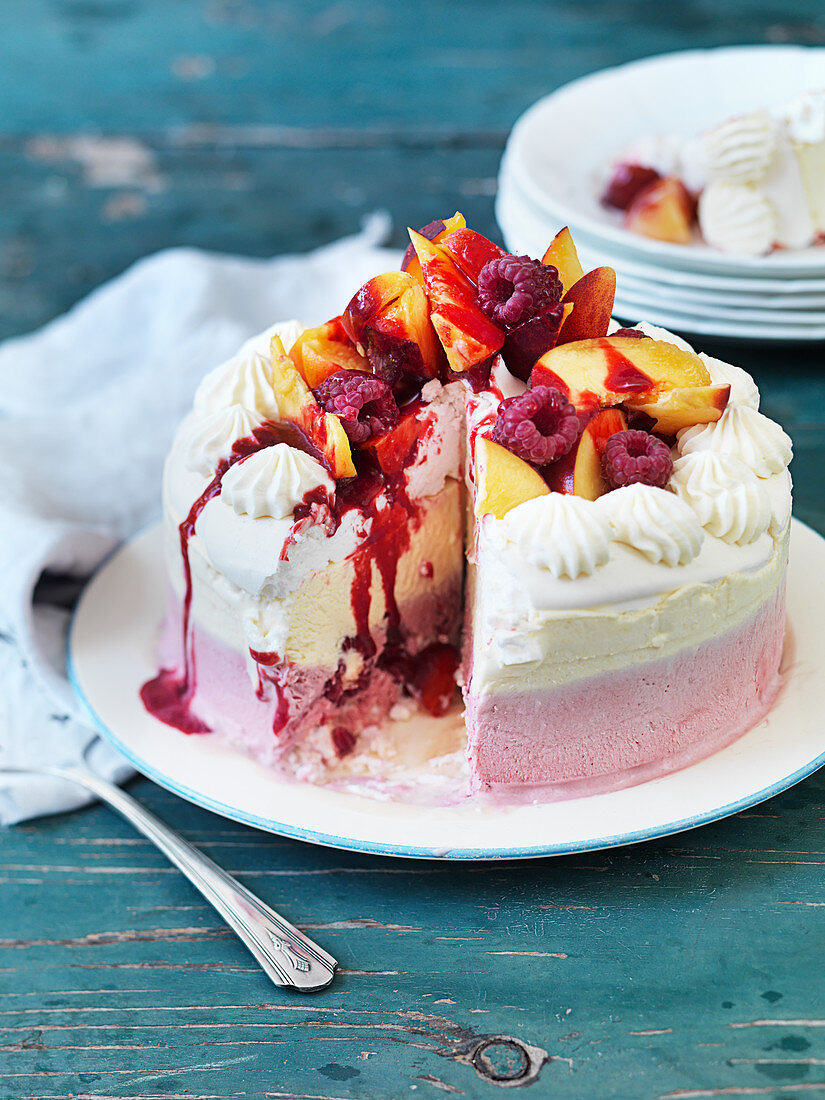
[364, 403]
[512, 289]
[634, 457]
[626, 183]
[540, 426]
[343, 741]
[634, 333]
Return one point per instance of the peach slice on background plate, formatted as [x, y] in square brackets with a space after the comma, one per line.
[297, 405]
[663, 210]
[466, 335]
[503, 480]
[580, 470]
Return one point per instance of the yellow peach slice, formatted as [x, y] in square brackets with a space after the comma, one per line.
[614, 369]
[503, 480]
[580, 471]
[563, 256]
[682, 407]
[297, 405]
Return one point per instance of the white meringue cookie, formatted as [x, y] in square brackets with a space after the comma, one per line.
[211, 436]
[567, 535]
[746, 434]
[655, 522]
[272, 481]
[737, 217]
[727, 497]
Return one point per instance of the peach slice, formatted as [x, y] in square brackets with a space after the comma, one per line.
[592, 296]
[503, 480]
[466, 335]
[471, 251]
[392, 449]
[682, 406]
[435, 231]
[616, 369]
[388, 320]
[563, 256]
[320, 352]
[663, 210]
[580, 470]
[297, 405]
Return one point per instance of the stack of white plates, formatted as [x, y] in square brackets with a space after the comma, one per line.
[558, 158]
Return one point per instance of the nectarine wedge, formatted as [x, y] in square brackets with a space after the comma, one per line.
[297, 405]
[435, 231]
[614, 369]
[580, 470]
[466, 335]
[563, 256]
[321, 351]
[592, 297]
[503, 480]
[682, 407]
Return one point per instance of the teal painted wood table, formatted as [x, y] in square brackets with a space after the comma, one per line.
[687, 967]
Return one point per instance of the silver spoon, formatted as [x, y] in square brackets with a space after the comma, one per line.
[288, 957]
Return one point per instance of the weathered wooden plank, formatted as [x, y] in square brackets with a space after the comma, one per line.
[681, 964]
[123, 64]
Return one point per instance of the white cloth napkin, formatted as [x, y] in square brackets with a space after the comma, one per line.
[88, 406]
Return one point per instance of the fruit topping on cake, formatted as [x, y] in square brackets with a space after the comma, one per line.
[635, 457]
[540, 426]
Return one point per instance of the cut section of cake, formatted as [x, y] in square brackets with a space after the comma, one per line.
[314, 535]
[622, 504]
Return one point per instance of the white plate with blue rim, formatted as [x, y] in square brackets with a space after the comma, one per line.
[112, 653]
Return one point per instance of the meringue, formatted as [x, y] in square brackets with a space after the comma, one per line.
[655, 522]
[211, 436]
[727, 497]
[272, 481]
[737, 217]
[754, 439]
[567, 535]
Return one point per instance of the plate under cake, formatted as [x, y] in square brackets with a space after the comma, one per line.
[622, 504]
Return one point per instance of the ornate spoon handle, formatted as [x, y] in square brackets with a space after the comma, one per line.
[287, 956]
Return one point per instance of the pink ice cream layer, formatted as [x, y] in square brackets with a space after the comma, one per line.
[631, 725]
[267, 713]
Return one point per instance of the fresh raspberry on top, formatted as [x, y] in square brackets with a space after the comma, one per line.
[364, 403]
[634, 457]
[634, 333]
[539, 426]
[512, 289]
